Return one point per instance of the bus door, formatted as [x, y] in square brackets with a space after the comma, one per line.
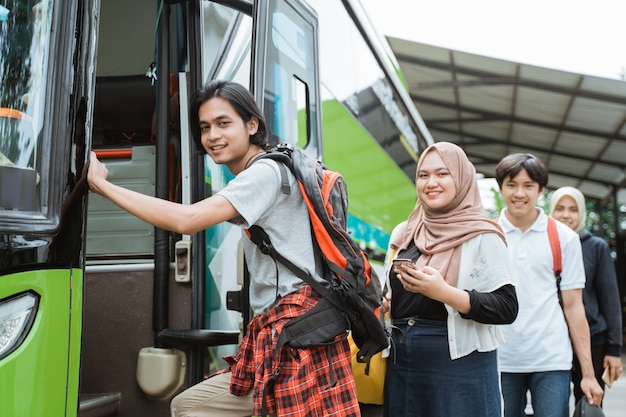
[272, 48]
[44, 112]
[285, 79]
[127, 346]
[275, 55]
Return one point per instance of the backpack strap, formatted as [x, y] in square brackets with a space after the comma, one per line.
[259, 237]
[279, 153]
[555, 245]
[285, 188]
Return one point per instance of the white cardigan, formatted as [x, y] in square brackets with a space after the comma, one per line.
[484, 267]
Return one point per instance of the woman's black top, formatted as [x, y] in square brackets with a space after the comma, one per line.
[496, 307]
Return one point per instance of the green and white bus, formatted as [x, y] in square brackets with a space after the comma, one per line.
[100, 313]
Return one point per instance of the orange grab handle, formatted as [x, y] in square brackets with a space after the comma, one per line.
[113, 153]
[14, 114]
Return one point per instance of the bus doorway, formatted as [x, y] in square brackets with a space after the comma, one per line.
[115, 317]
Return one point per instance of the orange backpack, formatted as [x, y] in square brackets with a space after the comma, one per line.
[352, 292]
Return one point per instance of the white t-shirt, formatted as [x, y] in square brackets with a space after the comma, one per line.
[538, 340]
[256, 194]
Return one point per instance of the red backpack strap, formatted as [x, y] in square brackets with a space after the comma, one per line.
[555, 245]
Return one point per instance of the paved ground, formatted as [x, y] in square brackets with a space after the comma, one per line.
[614, 399]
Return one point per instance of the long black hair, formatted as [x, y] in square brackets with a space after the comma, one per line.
[242, 101]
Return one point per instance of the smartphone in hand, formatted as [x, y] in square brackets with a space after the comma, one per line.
[407, 263]
[606, 378]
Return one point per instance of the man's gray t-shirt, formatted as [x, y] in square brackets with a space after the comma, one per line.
[256, 195]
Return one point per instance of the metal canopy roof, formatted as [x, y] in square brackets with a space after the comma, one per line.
[575, 123]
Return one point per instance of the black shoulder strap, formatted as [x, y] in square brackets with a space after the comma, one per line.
[259, 237]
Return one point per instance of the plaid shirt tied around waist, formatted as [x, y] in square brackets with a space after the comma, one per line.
[293, 382]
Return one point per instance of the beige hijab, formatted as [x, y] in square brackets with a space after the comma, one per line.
[439, 234]
[578, 198]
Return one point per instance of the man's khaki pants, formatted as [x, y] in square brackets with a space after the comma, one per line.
[212, 397]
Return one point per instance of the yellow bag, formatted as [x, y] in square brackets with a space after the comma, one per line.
[369, 388]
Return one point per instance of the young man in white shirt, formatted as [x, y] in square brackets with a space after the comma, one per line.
[537, 355]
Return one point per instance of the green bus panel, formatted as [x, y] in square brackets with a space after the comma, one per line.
[380, 194]
[40, 377]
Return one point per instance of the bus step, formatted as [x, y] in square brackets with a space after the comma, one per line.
[99, 405]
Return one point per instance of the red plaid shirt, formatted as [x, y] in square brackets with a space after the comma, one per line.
[307, 383]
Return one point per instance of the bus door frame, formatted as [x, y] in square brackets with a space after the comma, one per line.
[265, 59]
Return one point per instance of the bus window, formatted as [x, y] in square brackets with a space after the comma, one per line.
[302, 99]
[24, 43]
[287, 80]
[225, 41]
[18, 184]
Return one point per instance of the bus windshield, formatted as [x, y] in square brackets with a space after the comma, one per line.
[24, 44]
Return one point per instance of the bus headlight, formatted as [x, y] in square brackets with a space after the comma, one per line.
[17, 315]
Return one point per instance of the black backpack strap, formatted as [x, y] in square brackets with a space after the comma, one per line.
[258, 236]
[367, 331]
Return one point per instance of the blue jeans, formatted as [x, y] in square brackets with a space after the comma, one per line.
[550, 392]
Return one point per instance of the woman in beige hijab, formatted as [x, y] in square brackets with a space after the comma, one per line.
[600, 295]
[445, 303]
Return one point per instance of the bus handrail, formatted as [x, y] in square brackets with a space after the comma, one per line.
[122, 267]
[114, 153]
[198, 337]
[14, 114]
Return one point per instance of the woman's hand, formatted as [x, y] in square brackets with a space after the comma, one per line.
[614, 363]
[427, 281]
[97, 172]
